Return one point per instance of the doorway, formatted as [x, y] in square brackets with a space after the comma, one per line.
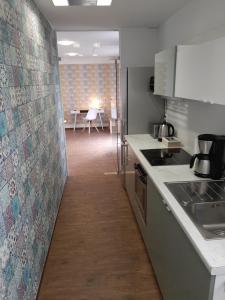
[89, 75]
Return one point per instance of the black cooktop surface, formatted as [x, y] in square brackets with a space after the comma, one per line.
[167, 157]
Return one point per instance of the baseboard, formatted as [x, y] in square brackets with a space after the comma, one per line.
[70, 126]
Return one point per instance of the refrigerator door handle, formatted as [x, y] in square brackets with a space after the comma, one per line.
[124, 147]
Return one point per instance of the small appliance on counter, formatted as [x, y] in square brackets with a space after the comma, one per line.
[155, 132]
[172, 142]
[209, 163]
[163, 129]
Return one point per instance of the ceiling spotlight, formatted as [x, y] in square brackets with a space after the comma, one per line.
[76, 45]
[72, 54]
[97, 45]
[65, 43]
[60, 2]
[104, 2]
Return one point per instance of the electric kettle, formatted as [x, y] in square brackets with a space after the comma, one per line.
[165, 130]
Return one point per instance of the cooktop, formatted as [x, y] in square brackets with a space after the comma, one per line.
[167, 156]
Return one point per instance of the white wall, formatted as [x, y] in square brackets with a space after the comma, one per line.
[198, 21]
[138, 47]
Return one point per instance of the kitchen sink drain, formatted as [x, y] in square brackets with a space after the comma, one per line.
[220, 232]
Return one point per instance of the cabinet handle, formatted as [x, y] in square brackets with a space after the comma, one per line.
[166, 205]
[124, 148]
[126, 154]
[168, 209]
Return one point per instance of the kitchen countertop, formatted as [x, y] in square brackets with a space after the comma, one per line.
[212, 252]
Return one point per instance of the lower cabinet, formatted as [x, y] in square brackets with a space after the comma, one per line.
[179, 270]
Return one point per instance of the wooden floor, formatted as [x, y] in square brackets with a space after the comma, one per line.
[96, 252]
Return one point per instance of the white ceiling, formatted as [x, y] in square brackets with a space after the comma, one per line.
[107, 52]
[122, 13]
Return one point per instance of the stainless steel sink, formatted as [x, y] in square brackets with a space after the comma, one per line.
[210, 218]
[204, 202]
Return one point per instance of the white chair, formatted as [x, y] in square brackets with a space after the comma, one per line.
[113, 118]
[90, 117]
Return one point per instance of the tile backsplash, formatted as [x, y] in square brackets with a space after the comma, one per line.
[32, 146]
[191, 118]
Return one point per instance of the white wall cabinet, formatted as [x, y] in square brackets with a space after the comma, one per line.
[200, 72]
[191, 73]
[165, 62]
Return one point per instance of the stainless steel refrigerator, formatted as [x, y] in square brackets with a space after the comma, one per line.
[141, 108]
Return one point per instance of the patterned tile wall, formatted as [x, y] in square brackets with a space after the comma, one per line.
[82, 84]
[32, 146]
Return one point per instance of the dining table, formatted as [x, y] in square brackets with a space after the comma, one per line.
[77, 112]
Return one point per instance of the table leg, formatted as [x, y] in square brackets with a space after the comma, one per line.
[100, 120]
[75, 122]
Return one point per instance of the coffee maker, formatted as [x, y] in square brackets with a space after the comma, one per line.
[209, 163]
[217, 165]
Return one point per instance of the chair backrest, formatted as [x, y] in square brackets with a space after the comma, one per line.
[113, 113]
[92, 114]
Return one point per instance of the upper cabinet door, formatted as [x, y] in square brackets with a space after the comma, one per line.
[200, 72]
[192, 72]
[165, 62]
[216, 71]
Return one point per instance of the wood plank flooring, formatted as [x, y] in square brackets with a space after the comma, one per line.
[96, 252]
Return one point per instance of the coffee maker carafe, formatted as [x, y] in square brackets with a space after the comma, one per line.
[209, 163]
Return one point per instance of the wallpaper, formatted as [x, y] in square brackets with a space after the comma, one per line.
[85, 86]
[32, 146]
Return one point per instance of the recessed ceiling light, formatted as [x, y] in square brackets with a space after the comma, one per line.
[97, 45]
[65, 43]
[95, 54]
[72, 54]
[60, 2]
[104, 2]
[76, 45]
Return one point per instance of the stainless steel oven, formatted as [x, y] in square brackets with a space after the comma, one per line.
[141, 190]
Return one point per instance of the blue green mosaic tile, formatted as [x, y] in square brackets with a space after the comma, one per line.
[32, 146]
[1, 53]
[16, 117]
[3, 124]
[3, 76]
